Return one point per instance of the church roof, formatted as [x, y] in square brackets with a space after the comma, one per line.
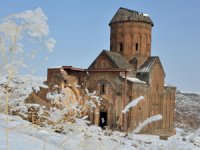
[118, 59]
[148, 64]
[124, 15]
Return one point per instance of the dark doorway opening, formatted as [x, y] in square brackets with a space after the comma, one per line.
[103, 119]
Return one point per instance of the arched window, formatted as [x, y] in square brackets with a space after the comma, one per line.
[136, 42]
[121, 48]
[102, 88]
[136, 46]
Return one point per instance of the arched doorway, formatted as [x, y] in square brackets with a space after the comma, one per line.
[103, 117]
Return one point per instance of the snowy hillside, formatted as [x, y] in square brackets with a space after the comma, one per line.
[187, 110]
[59, 135]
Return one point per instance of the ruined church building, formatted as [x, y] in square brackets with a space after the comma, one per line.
[121, 74]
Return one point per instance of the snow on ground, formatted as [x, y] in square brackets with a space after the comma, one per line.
[25, 136]
[76, 136]
[22, 135]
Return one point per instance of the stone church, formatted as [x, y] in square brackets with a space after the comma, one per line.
[120, 75]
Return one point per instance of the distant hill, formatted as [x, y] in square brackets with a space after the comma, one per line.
[187, 110]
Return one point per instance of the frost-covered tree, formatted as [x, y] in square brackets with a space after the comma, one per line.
[22, 36]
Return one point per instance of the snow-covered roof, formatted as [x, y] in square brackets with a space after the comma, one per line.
[134, 80]
[168, 85]
[55, 67]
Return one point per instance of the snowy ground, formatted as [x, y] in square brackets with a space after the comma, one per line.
[22, 135]
[25, 136]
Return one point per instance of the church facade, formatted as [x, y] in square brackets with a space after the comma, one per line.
[122, 74]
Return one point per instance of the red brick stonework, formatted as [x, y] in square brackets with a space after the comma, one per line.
[122, 74]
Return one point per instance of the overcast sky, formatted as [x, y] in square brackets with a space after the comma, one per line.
[81, 30]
